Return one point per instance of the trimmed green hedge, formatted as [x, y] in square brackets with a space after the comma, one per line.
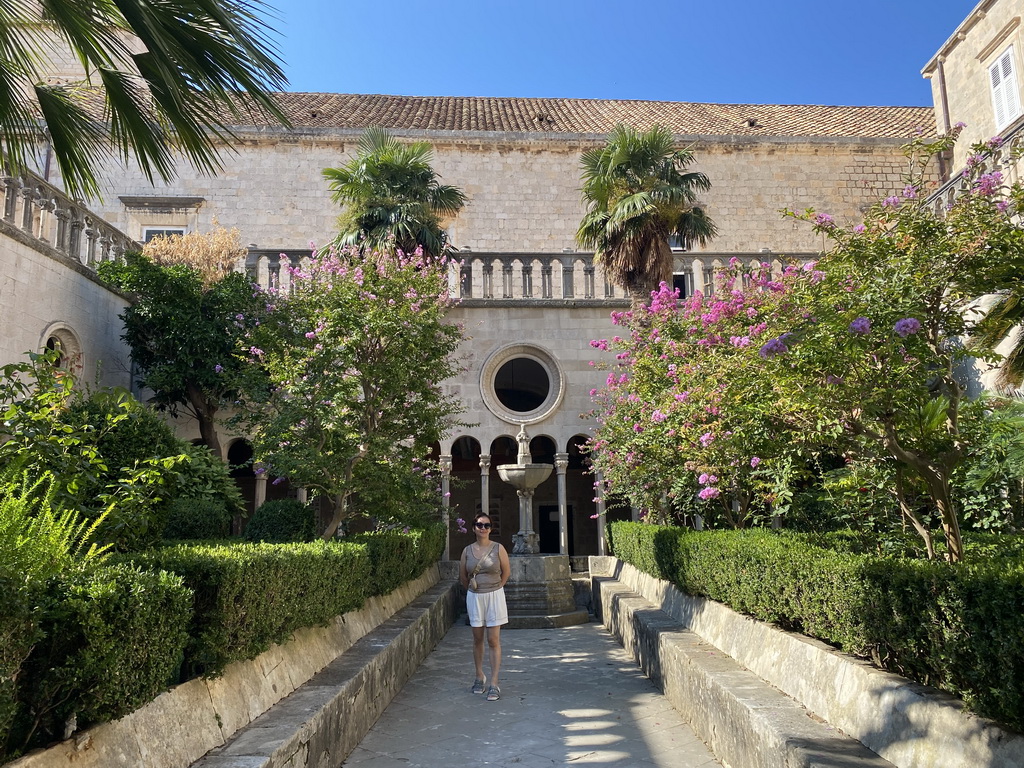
[112, 639]
[106, 640]
[956, 627]
[399, 556]
[282, 520]
[250, 596]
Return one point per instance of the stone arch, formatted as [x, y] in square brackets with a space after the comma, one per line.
[60, 337]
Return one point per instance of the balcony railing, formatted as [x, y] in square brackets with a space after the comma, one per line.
[48, 216]
[1002, 160]
[500, 278]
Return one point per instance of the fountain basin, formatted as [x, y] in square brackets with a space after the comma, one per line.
[524, 477]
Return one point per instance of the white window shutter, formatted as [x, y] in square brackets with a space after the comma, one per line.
[1005, 89]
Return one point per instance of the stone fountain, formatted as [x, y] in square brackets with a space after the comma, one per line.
[539, 592]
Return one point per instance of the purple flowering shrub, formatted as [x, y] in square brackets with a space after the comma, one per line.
[858, 355]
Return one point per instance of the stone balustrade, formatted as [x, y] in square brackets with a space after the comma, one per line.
[48, 216]
[1006, 160]
[498, 278]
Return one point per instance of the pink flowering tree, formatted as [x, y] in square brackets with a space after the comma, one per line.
[866, 353]
[684, 416]
[345, 395]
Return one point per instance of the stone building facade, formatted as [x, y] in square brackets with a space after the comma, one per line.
[531, 304]
[977, 77]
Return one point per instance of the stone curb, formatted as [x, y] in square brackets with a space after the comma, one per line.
[322, 722]
[743, 720]
[908, 724]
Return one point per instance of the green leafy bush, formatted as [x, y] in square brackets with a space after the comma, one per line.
[38, 539]
[282, 520]
[959, 627]
[206, 477]
[398, 556]
[113, 640]
[189, 518]
[249, 596]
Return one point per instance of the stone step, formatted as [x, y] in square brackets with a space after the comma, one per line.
[744, 720]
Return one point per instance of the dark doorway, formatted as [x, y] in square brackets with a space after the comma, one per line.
[547, 528]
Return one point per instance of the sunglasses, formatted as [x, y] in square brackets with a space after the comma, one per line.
[482, 525]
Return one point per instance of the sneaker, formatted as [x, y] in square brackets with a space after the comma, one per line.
[478, 686]
[493, 693]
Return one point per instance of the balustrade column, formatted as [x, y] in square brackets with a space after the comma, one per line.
[60, 238]
[545, 280]
[485, 483]
[588, 281]
[561, 464]
[488, 280]
[506, 280]
[91, 236]
[568, 278]
[75, 236]
[527, 280]
[11, 187]
[28, 211]
[445, 463]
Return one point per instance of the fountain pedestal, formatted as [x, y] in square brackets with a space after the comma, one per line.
[539, 591]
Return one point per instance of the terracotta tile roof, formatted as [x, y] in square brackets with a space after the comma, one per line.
[594, 116]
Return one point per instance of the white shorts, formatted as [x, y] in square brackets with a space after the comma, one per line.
[487, 609]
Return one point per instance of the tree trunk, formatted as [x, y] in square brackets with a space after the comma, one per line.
[340, 511]
[204, 412]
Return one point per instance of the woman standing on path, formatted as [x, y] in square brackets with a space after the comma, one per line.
[483, 571]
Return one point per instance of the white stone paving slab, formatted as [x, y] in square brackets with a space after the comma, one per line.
[570, 696]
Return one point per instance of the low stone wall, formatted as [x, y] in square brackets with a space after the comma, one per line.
[183, 724]
[907, 724]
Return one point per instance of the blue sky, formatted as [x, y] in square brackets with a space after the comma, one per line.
[862, 52]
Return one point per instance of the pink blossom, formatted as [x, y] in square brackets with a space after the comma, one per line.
[709, 493]
[754, 461]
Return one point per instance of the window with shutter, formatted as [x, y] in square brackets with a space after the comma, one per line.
[1005, 89]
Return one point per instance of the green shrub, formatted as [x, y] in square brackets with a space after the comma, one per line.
[201, 518]
[38, 539]
[957, 627]
[249, 596]
[113, 640]
[282, 520]
[205, 477]
[398, 556]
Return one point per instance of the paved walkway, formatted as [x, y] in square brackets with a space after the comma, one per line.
[569, 697]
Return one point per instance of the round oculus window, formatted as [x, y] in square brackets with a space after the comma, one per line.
[521, 383]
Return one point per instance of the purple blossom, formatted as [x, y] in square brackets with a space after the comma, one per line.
[1002, 206]
[910, 192]
[824, 220]
[994, 143]
[657, 417]
[960, 125]
[310, 334]
[709, 493]
[988, 183]
[860, 229]
[860, 325]
[833, 379]
[907, 327]
[218, 368]
[278, 480]
[891, 202]
[754, 461]
[703, 479]
[774, 347]
[706, 439]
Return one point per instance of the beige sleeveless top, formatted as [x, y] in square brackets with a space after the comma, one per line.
[488, 578]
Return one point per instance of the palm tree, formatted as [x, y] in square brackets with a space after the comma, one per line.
[392, 197]
[638, 195]
[160, 78]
